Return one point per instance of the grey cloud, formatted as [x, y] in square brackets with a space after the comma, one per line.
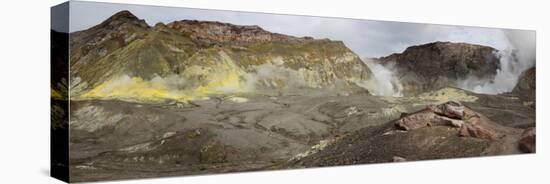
[365, 37]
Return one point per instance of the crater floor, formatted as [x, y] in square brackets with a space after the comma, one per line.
[111, 139]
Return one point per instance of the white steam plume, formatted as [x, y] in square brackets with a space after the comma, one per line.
[384, 82]
[518, 56]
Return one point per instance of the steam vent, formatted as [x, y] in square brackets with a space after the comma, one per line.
[154, 91]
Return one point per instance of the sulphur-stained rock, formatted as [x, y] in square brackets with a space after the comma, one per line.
[194, 59]
[527, 143]
[201, 97]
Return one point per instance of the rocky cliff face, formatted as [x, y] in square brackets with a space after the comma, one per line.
[116, 32]
[124, 58]
[435, 65]
[219, 32]
[525, 87]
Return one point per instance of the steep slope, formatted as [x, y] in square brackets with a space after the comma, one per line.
[525, 87]
[435, 65]
[96, 42]
[123, 58]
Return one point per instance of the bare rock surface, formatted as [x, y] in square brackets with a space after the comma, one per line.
[435, 65]
[117, 139]
[526, 86]
[447, 130]
[199, 97]
[191, 55]
[527, 143]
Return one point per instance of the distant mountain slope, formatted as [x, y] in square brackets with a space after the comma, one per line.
[435, 65]
[124, 58]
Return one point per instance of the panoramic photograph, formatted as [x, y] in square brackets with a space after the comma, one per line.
[149, 91]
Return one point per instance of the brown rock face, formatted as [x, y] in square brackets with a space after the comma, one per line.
[435, 65]
[116, 32]
[225, 32]
[527, 143]
[526, 84]
[117, 27]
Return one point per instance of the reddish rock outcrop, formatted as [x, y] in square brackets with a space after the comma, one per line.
[454, 114]
[448, 130]
[527, 143]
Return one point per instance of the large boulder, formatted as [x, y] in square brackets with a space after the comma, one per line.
[454, 114]
[528, 143]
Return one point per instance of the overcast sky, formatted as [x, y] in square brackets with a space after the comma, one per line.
[366, 38]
